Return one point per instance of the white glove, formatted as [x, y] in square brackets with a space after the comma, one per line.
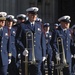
[71, 56]
[19, 55]
[25, 52]
[74, 56]
[44, 58]
[58, 56]
[9, 61]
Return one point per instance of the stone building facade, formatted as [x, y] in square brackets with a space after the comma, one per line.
[49, 10]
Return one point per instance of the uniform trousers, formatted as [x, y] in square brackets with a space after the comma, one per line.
[3, 70]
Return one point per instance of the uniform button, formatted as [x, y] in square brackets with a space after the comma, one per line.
[67, 45]
[34, 45]
[67, 41]
[34, 41]
[2, 42]
[66, 48]
[1, 50]
[1, 46]
[34, 37]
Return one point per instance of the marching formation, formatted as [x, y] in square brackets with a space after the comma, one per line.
[28, 46]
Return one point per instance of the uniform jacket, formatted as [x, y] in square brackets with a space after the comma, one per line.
[12, 42]
[48, 37]
[38, 40]
[4, 46]
[66, 42]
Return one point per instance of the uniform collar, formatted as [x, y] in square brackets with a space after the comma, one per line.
[32, 22]
[47, 32]
[1, 28]
[9, 27]
[64, 29]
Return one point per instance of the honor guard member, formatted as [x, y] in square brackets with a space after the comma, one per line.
[48, 36]
[36, 49]
[63, 33]
[5, 54]
[14, 21]
[21, 18]
[73, 48]
[3, 13]
[11, 44]
[56, 26]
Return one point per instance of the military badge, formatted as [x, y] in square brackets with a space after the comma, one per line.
[6, 34]
[39, 29]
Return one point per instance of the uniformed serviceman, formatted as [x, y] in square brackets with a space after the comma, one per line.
[48, 36]
[73, 49]
[64, 33]
[56, 26]
[36, 49]
[11, 44]
[21, 18]
[5, 54]
[14, 21]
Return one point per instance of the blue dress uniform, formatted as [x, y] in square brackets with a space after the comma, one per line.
[66, 43]
[39, 45]
[48, 37]
[73, 49]
[5, 54]
[64, 33]
[20, 58]
[12, 46]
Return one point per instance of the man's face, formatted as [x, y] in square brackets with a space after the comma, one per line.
[46, 29]
[9, 23]
[32, 17]
[65, 25]
[2, 23]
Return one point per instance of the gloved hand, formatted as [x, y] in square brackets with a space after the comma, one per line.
[9, 61]
[74, 56]
[44, 58]
[19, 55]
[25, 52]
[58, 56]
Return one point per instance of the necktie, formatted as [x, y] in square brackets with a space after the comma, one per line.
[8, 31]
[0, 32]
[32, 26]
[64, 31]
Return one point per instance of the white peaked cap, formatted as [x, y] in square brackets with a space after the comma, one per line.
[3, 13]
[35, 9]
[21, 15]
[14, 20]
[64, 18]
[10, 16]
